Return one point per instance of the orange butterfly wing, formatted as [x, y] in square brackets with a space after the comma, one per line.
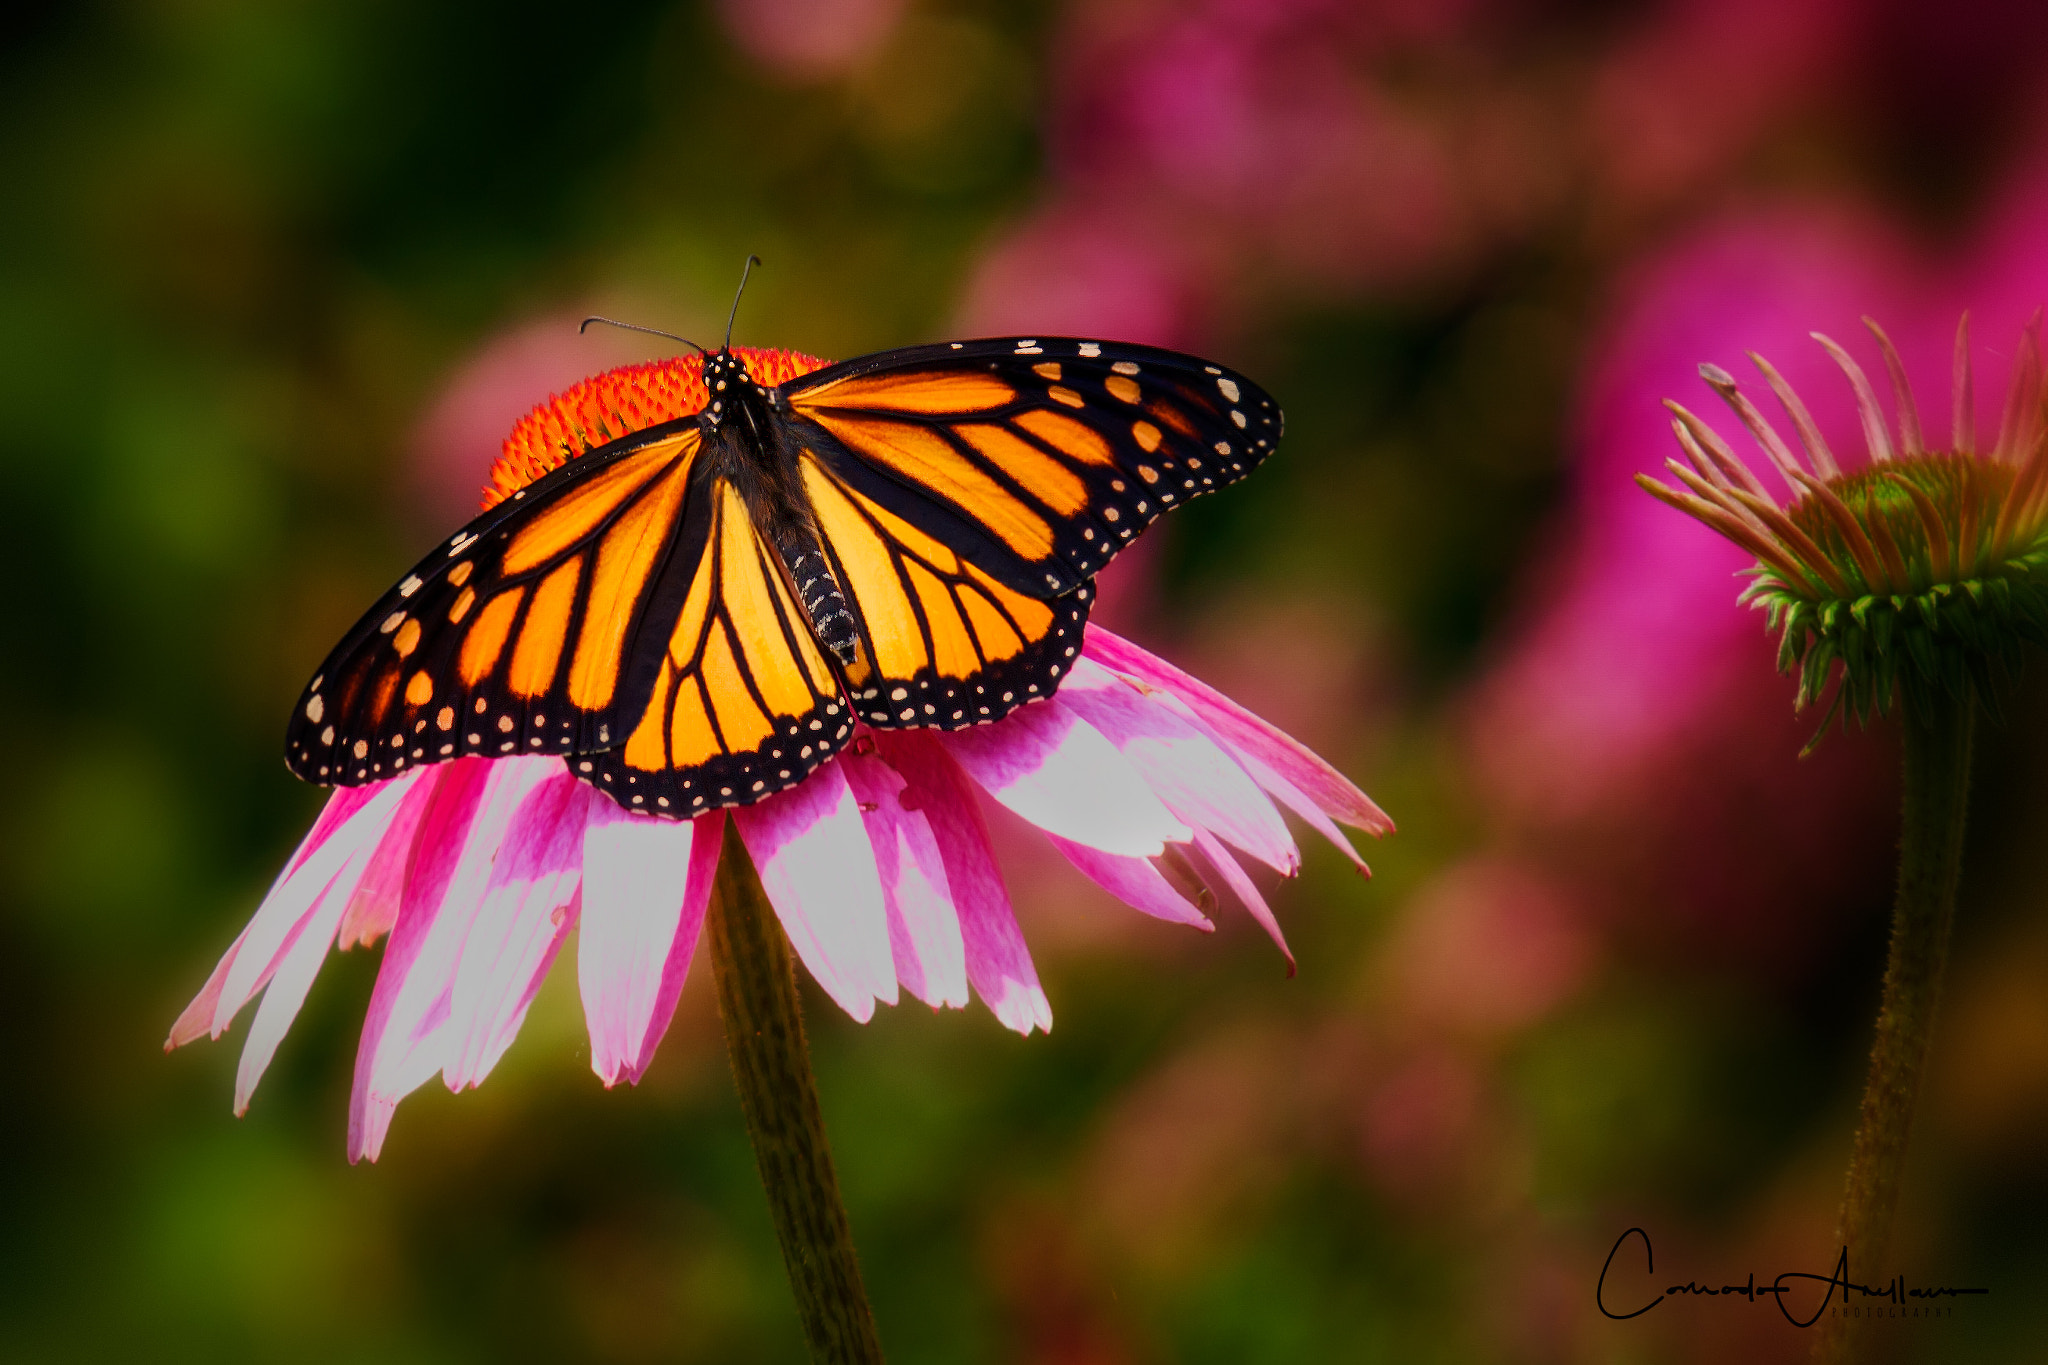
[968, 492]
[744, 702]
[520, 635]
[946, 644]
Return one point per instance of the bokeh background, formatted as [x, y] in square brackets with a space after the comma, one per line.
[276, 279]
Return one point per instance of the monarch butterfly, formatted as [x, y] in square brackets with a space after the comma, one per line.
[699, 574]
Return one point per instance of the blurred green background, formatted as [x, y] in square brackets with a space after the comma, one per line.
[275, 279]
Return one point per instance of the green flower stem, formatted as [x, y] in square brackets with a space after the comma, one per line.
[771, 1063]
[1938, 729]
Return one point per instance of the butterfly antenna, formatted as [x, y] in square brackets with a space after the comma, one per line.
[745, 270]
[636, 327]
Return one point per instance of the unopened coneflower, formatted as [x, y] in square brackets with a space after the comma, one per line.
[1908, 579]
[1922, 568]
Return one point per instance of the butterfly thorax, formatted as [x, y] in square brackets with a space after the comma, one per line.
[742, 446]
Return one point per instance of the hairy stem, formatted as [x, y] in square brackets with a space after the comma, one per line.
[1937, 780]
[771, 1063]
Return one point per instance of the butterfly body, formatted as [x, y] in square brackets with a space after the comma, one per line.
[743, 444]
[696, 582]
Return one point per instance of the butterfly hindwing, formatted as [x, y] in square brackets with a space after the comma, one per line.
[944, 643]
[517, 636]
[744, 703]
[1037, 459]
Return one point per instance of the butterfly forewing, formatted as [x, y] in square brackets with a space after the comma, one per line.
[1036, 459]
[744, 703]
[517, 636]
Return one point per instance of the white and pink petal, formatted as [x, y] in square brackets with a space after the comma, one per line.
[1059, 772]
[998, 963]
[405, 1038]
[331, 858]
[1222, 872]
[291, 978]
[924, 929]
[528, 907]
[1245, 734]
[1192, 774]
[374, 906]
[646, 885]
[1134, 881]
[812, 851]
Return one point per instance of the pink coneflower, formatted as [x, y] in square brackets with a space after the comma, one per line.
[879, 868]
[872, 866]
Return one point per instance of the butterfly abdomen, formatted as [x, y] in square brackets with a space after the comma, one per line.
[825, 604]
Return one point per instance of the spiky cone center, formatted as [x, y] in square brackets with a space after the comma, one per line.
[1947, 595]
[1923, 568]
[618, 403]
